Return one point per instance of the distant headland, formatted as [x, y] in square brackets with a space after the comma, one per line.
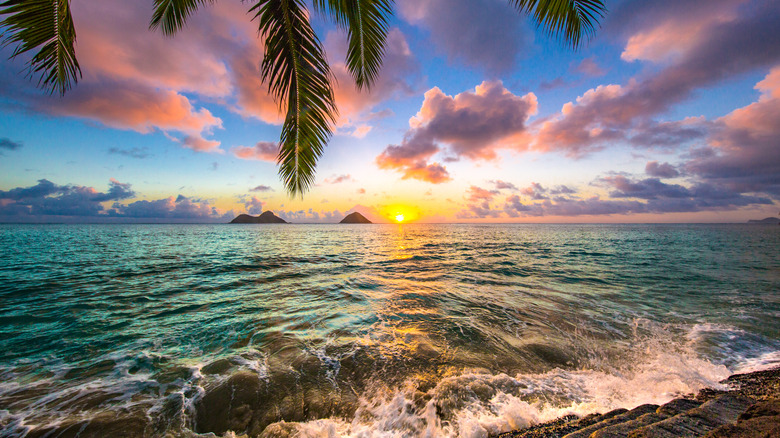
[355, 218]
[768, 220]
[268, 217]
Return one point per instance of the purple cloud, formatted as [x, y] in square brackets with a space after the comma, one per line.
[486, 34]
[661, 170]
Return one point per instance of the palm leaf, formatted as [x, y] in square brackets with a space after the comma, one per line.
[570, 20]
[46, 25]
[298, 76]
[366, 25]
[172, 15]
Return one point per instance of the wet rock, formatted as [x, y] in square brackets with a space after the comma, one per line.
[231, 405]
[281, 429]
[698, 421]
[762, 420]
[678, 406]
[217, 367]
[622, 430]
[104, 424]
[613, 420]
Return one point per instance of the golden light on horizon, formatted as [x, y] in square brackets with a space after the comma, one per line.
[400, 213]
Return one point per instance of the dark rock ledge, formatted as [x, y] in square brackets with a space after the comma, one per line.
[750, 409]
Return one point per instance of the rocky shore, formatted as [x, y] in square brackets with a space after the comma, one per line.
[749, 409]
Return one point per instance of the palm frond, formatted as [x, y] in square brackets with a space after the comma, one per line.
[570, 20]
[46, 25]
[298, 76]
[172, 15]
[366, 24]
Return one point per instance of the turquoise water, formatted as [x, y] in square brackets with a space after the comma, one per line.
[378, 330]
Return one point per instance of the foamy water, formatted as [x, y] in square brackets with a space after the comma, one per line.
[372, 331]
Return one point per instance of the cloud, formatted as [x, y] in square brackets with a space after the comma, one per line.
[180, 207]
[662, 29]
[125, 106]
[478, 203]
[47, 198]
[486, 34]
[135, 152]
[735, 41]
[589, 67]
[661, 170]
[264, 150]
[742, 153]
[310, 216]
[10, 145]
[593, 206]
[626, 196]
[502, 185]
[649, 188]
[253, 205]
[471, 125]
[201, 144]
[336, 179]
[117, 191]
[47, 202]
[535, 191]
[42, 189]
[261, 188]
[141, 80]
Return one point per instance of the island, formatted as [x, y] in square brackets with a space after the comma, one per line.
[268, 217]
[769, 220]
[355, 218]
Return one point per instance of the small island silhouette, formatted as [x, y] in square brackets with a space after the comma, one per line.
[768, 220]
[355, 218]
[268, 217]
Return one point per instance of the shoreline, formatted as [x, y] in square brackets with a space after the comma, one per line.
[749, 408]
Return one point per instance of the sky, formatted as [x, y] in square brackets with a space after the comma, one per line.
[670, 113]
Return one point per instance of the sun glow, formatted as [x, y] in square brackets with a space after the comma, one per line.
[399, 218]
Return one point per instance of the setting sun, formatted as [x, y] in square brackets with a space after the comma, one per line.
[399, 218]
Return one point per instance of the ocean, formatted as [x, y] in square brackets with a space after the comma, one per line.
[371, 330]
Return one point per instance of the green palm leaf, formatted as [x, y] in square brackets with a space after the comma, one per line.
[366, 24]
[171, 15]
[570, 20]
[298, 76]
[46, 25]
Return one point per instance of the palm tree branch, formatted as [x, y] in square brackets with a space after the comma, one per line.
[366, 24]
[171, 15]
[45, 25]
[298, 76]
[570, 20]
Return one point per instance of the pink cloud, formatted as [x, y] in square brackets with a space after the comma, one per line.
[200, 144]
[121, 105]
[336, 179]
[264, 151]
[678, 30]
[396, 79]
[472, 125]
[743, 153]
[589, 67]
[727, 45]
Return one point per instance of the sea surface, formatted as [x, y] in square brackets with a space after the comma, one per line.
[371, 330]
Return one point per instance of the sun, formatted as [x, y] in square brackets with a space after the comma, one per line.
[399, 218]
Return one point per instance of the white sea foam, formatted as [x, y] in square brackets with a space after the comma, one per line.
[478, 404]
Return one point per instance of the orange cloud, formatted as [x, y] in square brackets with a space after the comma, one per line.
[123, 106]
